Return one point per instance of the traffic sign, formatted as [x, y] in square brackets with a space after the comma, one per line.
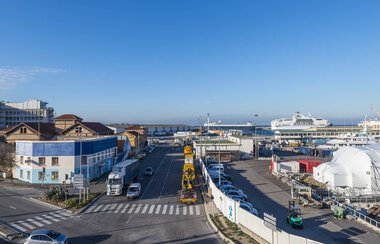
[79, 182]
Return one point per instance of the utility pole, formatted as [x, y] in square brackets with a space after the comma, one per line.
[219, 122]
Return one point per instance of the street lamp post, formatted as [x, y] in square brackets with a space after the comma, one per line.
[255, 151]
[219, 122]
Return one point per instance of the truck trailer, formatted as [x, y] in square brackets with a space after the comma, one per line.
[122, 174]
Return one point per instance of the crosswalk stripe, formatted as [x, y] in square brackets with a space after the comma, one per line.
[98, 208]
[50, 217]
[65, 213]
[138, 208]
[158, 209]
[89, 210]
[184, 210]
[177, 210]
[105, 208]
[171, 209]
[191, 210]
[34, 222]
[145, 208]
[151, 209]
[118, 208]
[164, 209]
[112, 207]
[132, 208]
[43, 220]
[26, 224]
[18, 227]
[58, 216]
[197, 210]
[125, 208]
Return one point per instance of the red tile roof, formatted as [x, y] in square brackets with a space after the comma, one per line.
[68, 117]
[96, 128]
[43, 128]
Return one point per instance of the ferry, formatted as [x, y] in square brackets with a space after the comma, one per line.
[299, 121]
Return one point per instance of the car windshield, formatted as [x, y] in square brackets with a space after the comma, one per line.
[114, 181]
[148, 169]
[233, 193]
[53, 234]
[133, 189]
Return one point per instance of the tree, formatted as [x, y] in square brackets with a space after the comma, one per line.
[7, 157]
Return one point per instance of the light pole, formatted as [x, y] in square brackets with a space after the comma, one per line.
[254, 122]
[219, 122]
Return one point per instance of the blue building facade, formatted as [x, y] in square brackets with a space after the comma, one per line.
[55, 162]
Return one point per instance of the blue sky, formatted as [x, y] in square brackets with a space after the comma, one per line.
[172, 61]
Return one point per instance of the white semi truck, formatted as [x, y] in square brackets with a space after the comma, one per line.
[122, 175]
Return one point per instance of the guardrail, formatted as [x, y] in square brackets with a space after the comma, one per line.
[231, 210]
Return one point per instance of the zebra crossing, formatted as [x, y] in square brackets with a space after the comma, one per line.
[41, 220]
[141, 208]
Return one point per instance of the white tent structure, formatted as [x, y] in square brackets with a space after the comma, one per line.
[353, 170]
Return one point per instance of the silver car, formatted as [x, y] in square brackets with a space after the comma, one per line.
[46, 236]
[235, 195]
[228, 188]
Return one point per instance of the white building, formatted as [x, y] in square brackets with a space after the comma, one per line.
[55, 162]
[11, 114]
[353, 170]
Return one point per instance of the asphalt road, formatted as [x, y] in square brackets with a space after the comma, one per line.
[269, 195]
[156, 217]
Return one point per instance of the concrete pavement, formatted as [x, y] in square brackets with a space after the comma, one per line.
[269, 195]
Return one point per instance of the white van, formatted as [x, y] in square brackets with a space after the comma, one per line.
[134, 190]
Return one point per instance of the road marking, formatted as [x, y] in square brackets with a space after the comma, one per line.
[197, 210]
[89, 210]
[165, 208]
[191, 212]
[65, 213]
[163, 185]
[154, 175]
[129, 219]
[184, 210]
[151, 209]
[118, 208]
[50, 217]
[145, 208]
[112, 207]
[138, 208]
[97, 209]
[177, 210]
[125, 208]
[12, 207]
[132, 208]
[171, 209]
[158, 209]
[34, 222]
[18, 227]
[58, 216]
[26, 224]
[43, 220]
[105, 208]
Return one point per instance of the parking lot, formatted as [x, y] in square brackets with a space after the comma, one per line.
[269, 195]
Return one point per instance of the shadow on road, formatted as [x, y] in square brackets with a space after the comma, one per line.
[90, 239]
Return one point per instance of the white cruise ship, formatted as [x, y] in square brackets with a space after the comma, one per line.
[299, 122]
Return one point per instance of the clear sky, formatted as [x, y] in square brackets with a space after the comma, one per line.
[172, 61]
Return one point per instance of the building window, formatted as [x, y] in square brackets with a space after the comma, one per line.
[84, 160]
[54, 161]
[41, 161]
[21, 159]
[78, 129]
[28, 175]
[22, 130]
[40, 176]
[21, 173]
[54, 175]
[28, 160]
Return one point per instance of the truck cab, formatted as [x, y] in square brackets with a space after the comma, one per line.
[115, 184]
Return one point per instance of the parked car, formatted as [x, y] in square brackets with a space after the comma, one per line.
[134, 190]
[46, 236]
[236, 195]
[222, 174]
[227, 188]
[149, 171]
[248, 207]
[222, 181]
[216, 167]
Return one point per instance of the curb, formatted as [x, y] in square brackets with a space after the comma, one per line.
[45, 203]
[213, 226]
[90, 203]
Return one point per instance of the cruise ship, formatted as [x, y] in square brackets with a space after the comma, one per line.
[299, 121]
